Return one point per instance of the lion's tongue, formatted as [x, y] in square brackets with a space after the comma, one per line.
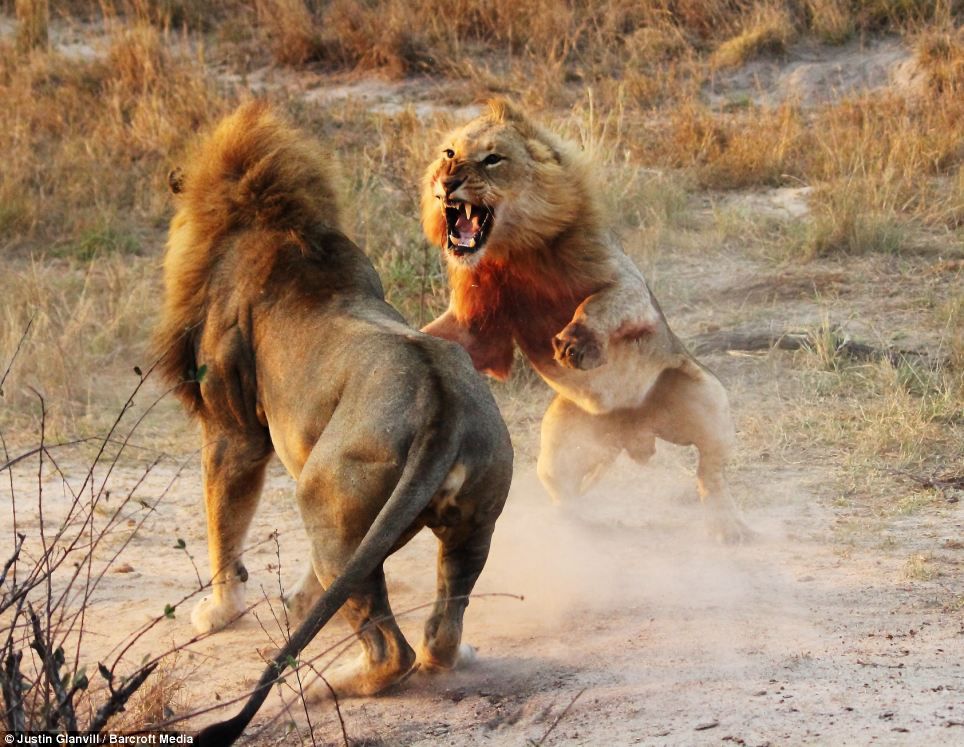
[467, 227]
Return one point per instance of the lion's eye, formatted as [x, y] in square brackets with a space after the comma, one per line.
[449, 153]
[492, 159]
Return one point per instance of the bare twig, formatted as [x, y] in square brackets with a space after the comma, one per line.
[12, 559]
[334, 700]
[558, 718]
[12, 684]
[16, 352]
[945, 482]
[52, 661]
[768, 339]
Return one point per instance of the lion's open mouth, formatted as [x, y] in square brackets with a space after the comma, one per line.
[468, 227]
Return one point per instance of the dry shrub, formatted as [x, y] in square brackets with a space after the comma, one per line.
[883, 166]
[704, 19]
[87, 142]
[32, 19]
[290, 28]
[831, 20]
[883, 15]
[758, 147]
[885, 162]
[767, 32]
[940, 56]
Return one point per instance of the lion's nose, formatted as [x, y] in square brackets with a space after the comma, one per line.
[452, 183]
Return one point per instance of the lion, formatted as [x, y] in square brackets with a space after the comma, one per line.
[276, 336]
[532, 261]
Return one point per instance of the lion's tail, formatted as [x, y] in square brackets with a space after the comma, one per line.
[430, 460]
[256, 170]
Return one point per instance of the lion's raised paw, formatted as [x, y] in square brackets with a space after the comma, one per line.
[578, 347]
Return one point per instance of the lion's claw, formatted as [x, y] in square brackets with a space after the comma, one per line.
[577, 347]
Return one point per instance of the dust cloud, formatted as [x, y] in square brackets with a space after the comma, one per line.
[636, 542]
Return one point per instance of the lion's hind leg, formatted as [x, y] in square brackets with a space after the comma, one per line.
[575, 450]
[690, 407]
[386, 657]
[463, 549]
[339, 498]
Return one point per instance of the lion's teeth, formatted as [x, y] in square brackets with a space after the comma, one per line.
[460, 242]
[468, 209]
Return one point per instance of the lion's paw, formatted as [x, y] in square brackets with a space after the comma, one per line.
[465, 657]
[360, 678]
[210, 616]
[578, 347]
[730, 530]
[300, 602]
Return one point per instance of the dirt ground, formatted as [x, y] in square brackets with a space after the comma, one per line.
[633, 627]
[660, 635]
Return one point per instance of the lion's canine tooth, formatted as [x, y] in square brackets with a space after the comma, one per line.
[468, 209]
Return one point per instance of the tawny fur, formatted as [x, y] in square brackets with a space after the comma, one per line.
[385, 430]
[253, 172]
[550, 276]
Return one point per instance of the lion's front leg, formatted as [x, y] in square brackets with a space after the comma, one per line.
[622, 311]
[490, 349]
[233, 477]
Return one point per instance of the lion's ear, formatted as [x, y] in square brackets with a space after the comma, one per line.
[542, 152]
[175, 180]
[503, 110]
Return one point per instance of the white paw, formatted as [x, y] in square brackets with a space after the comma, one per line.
[210, 615]
[467, 656]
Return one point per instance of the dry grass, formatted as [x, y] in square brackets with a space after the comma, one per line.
[768, 32]
[831, 21]
[158, 699]
[90, 326]
[88, 142]
[875, 417]
[32, 21]
[82, 200]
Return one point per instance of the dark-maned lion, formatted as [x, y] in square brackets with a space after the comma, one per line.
[533, 261]
[385, 429]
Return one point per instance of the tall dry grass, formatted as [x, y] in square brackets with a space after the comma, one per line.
[83, 202]
[88, 141]
[33, 17]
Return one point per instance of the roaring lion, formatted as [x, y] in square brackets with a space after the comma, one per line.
[278, 339]
[532, 261]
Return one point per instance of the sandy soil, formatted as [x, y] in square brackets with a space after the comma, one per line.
[660, 635]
